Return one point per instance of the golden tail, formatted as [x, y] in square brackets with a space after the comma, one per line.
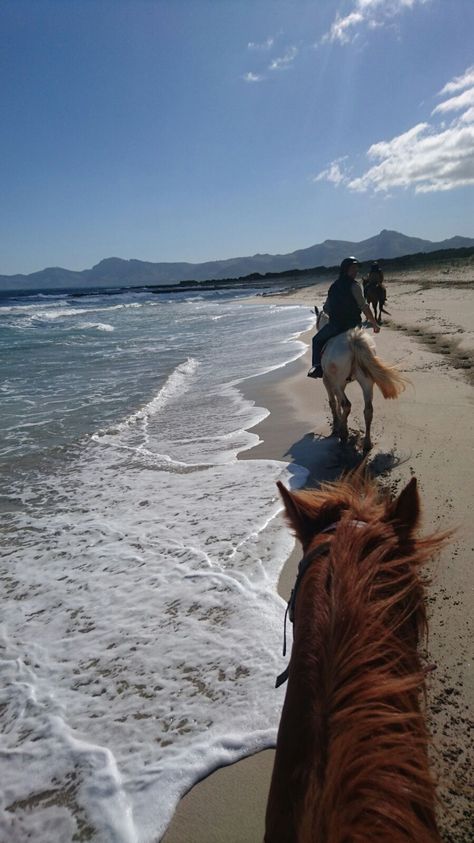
[388, 379]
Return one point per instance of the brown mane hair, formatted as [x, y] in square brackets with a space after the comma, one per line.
[351, 763]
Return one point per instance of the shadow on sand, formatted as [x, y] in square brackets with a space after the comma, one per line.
[326, 458]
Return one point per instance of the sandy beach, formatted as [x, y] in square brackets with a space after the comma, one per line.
[427, 432]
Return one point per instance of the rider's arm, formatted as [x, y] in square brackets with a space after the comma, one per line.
[359, 297]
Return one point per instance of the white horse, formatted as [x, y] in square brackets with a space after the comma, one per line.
[351, 356]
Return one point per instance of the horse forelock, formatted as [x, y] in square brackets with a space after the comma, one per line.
[327, 504]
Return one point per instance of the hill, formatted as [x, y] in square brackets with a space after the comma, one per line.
[116, 272]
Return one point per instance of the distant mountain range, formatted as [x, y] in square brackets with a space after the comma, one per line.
[115, 272]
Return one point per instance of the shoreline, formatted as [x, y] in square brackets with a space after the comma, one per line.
[295, 408]
[423, 434]
[275, 390]
[210, 811]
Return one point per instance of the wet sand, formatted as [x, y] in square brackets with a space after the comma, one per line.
[427, 432]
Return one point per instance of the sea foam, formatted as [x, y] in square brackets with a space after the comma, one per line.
[141, 625]
[153, 651]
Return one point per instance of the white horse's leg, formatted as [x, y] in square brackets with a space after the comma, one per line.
[367, 386]
[345, 408]
[332, 404]
[337, 364]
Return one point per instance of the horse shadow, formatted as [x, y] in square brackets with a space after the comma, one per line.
[327, 459]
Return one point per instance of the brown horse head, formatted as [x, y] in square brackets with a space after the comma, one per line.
[310, 512]
[351, 763]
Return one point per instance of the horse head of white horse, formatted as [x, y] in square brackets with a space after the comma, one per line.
[322, 318]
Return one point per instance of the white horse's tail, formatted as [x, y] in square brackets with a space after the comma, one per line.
[388, 379]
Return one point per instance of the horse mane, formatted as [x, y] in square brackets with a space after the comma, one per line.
[359, 617]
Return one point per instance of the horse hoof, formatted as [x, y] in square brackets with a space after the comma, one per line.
[367, 447]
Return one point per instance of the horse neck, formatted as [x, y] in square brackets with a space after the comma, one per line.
[353, 696]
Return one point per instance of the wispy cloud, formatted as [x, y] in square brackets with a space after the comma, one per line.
[263, 45]
[252, 77]
[281, 62]
[427, 157]
[459, 83]
[461, 101]
[335, 173]
[343, 29]
[285, 61]
[369, 13]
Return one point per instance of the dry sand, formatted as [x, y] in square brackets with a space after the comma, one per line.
[427, 432]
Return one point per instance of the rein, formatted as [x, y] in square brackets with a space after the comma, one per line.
[303, 566]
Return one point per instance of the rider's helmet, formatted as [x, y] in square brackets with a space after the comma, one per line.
[347, 262]
[375, 266]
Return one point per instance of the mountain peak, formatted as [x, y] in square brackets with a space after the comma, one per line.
[109, 262]
[390, 232]
[120, 272]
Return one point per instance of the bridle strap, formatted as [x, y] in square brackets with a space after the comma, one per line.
[303, 566]
[282, 677]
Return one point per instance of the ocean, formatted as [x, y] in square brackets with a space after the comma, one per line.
[141, 628]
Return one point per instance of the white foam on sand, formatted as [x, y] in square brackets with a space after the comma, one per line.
[142, 628]
[142, 648]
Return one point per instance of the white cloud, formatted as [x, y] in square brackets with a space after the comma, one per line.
[459, 103]
[427, 157]
[460, 82]
[421, 158]
[264, 45]
[341, 29]
[334, 173]
[371, 13]
[252, 77]
[285, 61]
[468, 116]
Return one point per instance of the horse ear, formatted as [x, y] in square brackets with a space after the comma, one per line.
[298, 518]
[405, 510]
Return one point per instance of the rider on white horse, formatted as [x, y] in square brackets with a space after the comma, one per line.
[345, 303]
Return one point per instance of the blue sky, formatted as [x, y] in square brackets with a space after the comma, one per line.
[170, 130]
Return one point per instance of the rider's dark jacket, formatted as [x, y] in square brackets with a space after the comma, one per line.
[343, 309]
[375, 276]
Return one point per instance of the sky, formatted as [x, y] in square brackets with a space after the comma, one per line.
[194, 130]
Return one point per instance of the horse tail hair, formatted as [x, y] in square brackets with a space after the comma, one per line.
[388, 379]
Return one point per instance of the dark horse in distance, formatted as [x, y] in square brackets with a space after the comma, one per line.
[375, 293]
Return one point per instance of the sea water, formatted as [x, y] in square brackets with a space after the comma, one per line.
[140, 627]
